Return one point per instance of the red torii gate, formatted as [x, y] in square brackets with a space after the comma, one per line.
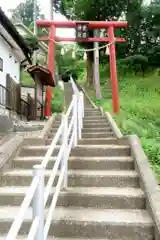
[109, 25]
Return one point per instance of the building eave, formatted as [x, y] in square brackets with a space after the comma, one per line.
[18, 39]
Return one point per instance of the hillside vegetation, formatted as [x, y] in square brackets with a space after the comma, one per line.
[139, 110]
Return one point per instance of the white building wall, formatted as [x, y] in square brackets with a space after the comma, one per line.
[11, 65]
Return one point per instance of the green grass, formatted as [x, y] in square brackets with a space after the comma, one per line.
[139, 112]
[58, 100]
[26, 79]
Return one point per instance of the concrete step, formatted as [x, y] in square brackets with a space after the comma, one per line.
[50, 139]
[101, 150]
[110, 198]
[98, 141]
[87, 125]
[94, 118]
[88, 223]
[96, 129]
[88, 129]
[91, 120]
[52, 134]
[57, 121]
[24, 237]
[55, 127]
[90, 141]
[91, 109]
[87, 104]
[98, 135]
[91, 163]
[80, 150]
[102, 124]
[91, 113]
[78, 178]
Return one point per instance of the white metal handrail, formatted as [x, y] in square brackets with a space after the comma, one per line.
[74, 86]
[37, 195]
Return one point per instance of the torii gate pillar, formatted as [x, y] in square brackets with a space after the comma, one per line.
[113, 71]
[51, 67]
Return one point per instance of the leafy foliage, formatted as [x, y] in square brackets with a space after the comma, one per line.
[142, 34]
[154, 56]
[144, 30]
[138, 63]
[66, 63]
[58, 100]
[92, 10]
[32, 42]
[24, 12]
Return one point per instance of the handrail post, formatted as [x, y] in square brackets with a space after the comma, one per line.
[38, 201]
[79, 116]
[82, 99]
[82, 107]
[75, 119]
[65, 153]
[62, 121]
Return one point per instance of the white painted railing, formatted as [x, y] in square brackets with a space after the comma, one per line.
[37, 196]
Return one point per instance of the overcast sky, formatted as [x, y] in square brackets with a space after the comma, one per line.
[6, 5]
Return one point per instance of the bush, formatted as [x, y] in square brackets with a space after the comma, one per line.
[58, 100]
[32, 43]
[26, 79]
[154, 56]
[128, 66]
[137, 63]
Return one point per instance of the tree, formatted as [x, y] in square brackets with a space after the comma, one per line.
[24, 12]
[92, 10]
[32, 43]
[143, 32]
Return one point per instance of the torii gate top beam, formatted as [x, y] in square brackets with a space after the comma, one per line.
[72, 24]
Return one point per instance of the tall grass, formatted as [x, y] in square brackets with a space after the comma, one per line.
[26, 79]
[139, 112]
[58, 100]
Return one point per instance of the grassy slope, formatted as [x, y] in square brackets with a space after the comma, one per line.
[58, 100]
[26, 79]
[139, 113]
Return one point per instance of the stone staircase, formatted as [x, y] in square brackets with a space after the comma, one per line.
[68, 92]
[104, 200]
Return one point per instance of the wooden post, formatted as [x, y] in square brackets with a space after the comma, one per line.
[96, 67]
